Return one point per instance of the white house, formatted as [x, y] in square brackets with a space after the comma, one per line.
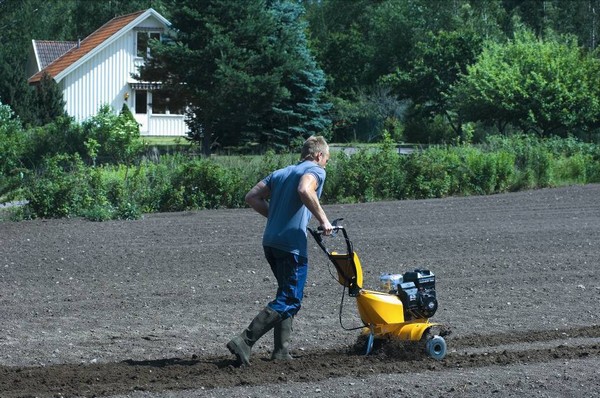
[98, 70]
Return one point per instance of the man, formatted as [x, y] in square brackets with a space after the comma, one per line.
[287, 197]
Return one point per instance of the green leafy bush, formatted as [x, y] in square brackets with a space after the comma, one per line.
[461, 170]
[482, 174]
[128, 211]
[532, 160]
[117, 136]
[203, 184]
[505, 170]
[365, 176]
[150, 180]
[99, 213]
[13, 145]
[549, 87]
[61, 136]
[62, 188]
[107, 136]
[488, 172]
[573, 169]
[428, 174]
[65, 187]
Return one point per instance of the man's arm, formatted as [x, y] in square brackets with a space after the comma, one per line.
[257, 198]
[307, 189]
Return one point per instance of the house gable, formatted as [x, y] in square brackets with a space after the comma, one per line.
[94, 43]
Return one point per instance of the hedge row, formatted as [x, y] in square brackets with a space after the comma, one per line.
[64, 186]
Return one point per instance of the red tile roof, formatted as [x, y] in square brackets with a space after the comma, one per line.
[48, 50]
[88, 44]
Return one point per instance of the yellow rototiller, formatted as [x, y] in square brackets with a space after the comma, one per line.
[401, 311]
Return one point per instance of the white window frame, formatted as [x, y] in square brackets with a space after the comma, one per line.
[149, 33]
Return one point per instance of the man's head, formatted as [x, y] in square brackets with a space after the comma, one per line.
[315, 148]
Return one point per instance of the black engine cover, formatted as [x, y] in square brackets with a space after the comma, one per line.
[417, 293]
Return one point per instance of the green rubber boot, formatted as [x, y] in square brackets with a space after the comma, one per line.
[281, 339]
[241, 345]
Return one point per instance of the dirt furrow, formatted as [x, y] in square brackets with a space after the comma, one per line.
[522, 336]
[212, 372]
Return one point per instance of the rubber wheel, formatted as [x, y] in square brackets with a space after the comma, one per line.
[436, 347]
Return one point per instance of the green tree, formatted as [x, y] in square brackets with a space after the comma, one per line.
[339, 34]
[438, 61]
[416, 48]
[61, 136]
[581, 18]
[20, 22]
[14, 90]
[48, 101]
[356, 42]
[238, 66]
[547, 18]
[303, 112]
[534, 14]
[13, 144]
[548, 87]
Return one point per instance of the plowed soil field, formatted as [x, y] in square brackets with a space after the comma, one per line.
[144, 308]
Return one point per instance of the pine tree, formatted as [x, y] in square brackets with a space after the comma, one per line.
[303, 112]
[241, 71]
[48, 101]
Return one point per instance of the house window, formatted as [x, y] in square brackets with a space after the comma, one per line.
[141, 101]
[143, 41]
[165, 102]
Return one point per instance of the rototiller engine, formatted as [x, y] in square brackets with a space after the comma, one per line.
[401, 311]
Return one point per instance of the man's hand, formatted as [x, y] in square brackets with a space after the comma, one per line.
[326, 227]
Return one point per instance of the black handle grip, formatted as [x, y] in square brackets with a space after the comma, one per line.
[335, 228]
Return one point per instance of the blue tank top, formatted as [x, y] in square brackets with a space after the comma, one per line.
[288, 217]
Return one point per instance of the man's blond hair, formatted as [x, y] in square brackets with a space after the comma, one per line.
[314, 145]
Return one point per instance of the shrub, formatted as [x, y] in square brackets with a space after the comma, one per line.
[61, 136]
[128, 211]
[368, 175]
[533, 161]
[99, 213]
[117, 136]
[203, 184]
[65, 187]
[461, 170]
[150, 180]
[593, 171]
[351, 179]
[355, 178]
[483, 174]
[62, 188]
[487, 172]
[13, 144]
[505, 170]
[427, 174]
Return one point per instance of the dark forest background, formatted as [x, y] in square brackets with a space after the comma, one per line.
[424, 71]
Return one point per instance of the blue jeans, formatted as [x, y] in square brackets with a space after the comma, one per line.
[290, 270]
